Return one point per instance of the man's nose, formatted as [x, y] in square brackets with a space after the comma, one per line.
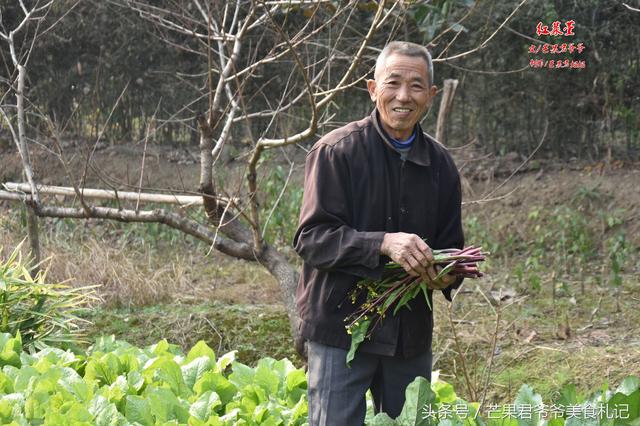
[403, 93]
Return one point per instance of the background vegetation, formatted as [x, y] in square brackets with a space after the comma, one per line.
[89, 61]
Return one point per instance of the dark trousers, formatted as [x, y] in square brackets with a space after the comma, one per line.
[337, 393]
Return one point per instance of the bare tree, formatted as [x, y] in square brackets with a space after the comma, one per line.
[272, 70]
[20, 41]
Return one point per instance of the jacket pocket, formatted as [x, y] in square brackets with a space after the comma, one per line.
[333, 298]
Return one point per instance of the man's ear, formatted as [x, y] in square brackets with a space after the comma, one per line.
[371, 86]
[433, 90]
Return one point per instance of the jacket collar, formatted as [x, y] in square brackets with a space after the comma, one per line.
[419, 152]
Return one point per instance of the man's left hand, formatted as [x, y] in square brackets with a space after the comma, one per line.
[443, 282]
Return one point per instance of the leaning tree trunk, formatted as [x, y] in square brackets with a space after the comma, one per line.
[287, 277]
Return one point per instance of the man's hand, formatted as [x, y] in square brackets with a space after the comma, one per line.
[443, 282]
[414, 255]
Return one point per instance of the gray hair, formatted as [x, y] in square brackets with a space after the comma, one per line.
[406, 48]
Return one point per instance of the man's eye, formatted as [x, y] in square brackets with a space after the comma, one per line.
[392, 83]
[418, 86]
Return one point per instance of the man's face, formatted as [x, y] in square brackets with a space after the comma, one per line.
[401, 93]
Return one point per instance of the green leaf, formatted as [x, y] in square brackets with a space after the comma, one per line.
[105, 369]
[55, 356]
[231, 417]
[526, 401]
[444, 271]
[358, 334]
[502, 421]
[23, 378]
[15, 404]
[205, 406]
[265, 377]
[568, 395]
[165, 371]
[296, 379]
[160, 348]
[6, 411]
[165, 406]
[425, 291]
[581, 420]
[260, 415]
[105, 413]
[76, 385]
[70, 413]
[35, 405]
[138, 410]
[444, 392]
[118, 390]
[627, 406]
[242, 375]
[135, 381]
[382, 419]
[252, 396]
[6, 384]
[418, 395]
[473, 417]
[391, 298]
[194, 370]
[216, 382]
[201, 349]
[403, 301]
[629, 385]
[300, 410]
[282, 367]
[10, 349]
[226, 360]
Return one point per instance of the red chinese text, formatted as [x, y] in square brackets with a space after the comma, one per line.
[557, 48]
[555, 64]
[556, 28]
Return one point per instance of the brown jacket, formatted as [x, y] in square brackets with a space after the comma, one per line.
[356, 189]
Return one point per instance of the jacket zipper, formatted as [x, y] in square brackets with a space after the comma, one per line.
[401, 193]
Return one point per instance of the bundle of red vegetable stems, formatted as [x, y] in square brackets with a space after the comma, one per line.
[398, 287]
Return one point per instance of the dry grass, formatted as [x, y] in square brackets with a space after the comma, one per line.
[125, 278]
[133, 273]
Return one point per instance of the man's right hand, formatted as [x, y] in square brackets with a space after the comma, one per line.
[414, 255]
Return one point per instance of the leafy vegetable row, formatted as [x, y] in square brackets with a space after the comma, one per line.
[115, 383]
[119, 384]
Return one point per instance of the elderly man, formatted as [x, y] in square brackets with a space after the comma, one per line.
[375, 189]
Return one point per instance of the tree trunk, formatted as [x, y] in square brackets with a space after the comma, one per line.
[287, 277]
[34, 240]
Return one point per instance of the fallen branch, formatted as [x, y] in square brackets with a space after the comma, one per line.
[105, 194]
